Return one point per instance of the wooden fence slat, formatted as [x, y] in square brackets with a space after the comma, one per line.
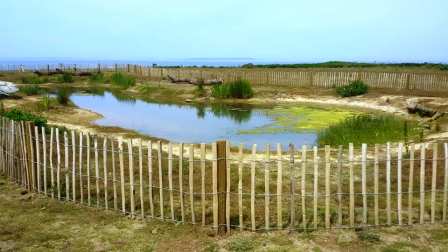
[191, 181]
[215, 185]
[114, 173]
[181, 179]
[266, 187]
[170, 179]
[203, 153]
[228, 185]
[81, 184]
[445, 184]
[411, 184]
[140, 169]
[122, 178]
[97, 172]
[279, 187]
[44, 157]
[159, 159]
[88, 169]
[388, 191]
[150, 186]
[303, 185]
[352, 187]
[131, 177]
[327, 185]
[316, 185]
[252, 186]
[422, 182]
[434, 182]
[339, 184]
[399, 190]
[363, 182]
[66, 167]
[30, 135]
[105, 180]
[240, 186]
[73, 167]
[38, 164]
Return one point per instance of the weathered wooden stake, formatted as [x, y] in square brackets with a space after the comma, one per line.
[221, 185]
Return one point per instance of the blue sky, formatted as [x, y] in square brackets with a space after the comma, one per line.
[284, 30]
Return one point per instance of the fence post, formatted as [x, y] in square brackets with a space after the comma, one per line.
[221, 184]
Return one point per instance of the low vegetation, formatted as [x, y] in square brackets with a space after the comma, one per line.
[19, 115]
[369, 129]
[31, 90]
[239, 89]
[63, 96]
[33, 79]
[65, 78]
[123, 80]
[97, 78]
[354, 88]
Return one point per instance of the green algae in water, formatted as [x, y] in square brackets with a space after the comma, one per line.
[300, 119]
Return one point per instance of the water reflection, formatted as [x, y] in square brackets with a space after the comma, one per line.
[192, 123]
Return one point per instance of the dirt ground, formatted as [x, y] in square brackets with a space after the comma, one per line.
[32, 222]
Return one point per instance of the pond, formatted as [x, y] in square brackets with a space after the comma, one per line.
[207, 123]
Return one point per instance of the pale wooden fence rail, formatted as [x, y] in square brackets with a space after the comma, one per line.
[226, 188]
[322, 78]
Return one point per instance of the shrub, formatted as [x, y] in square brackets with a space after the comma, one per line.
[123, 80]
[63, 96]
[65, 78]
[19, 115]
[33, 79]
[239, 89]
[354, 88]
[97, 78]
[369, 129]
[31, 90]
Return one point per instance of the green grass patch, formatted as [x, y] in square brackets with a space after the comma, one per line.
[241, 244]
[31, 89]
[369, 129]
[97, 78]
[63, 95]
[239, 89]
[123, 80]
[65, 78]
[33, 79]
[353, 89]
[19, 115]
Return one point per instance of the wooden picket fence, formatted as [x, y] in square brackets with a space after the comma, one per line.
[300, 78]
[229, 187]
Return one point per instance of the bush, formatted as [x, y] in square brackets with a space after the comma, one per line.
[19, 115]
[65, 78]
[123, 80]
[63, 96]
[97, 78]
[33, 79]
[239, 89]
[354, 88]
[31, 90]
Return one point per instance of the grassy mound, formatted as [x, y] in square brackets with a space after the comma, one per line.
[239, 89]
[353, 89]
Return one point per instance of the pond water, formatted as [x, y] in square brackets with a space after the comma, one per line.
[199, 123]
